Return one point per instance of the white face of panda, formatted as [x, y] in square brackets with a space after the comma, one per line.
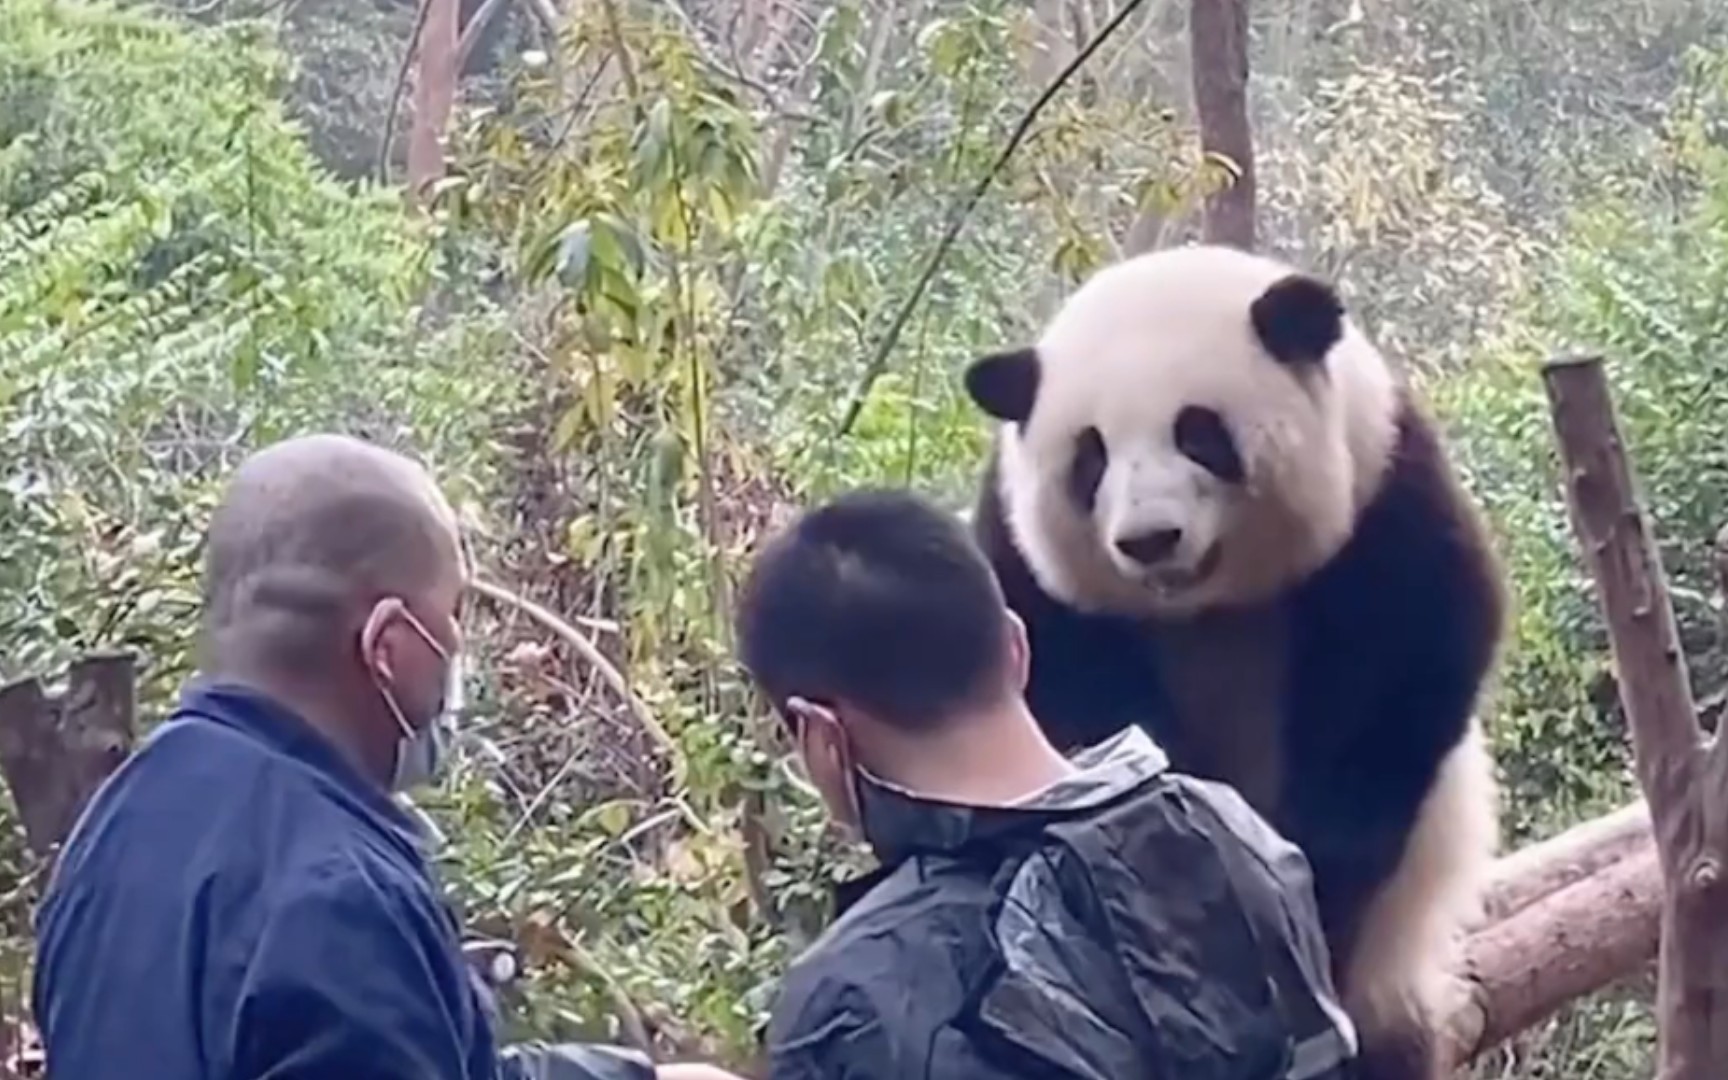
[1196, 428]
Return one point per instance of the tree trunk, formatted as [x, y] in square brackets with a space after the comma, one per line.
[1685, 782]
[435, 72]
[55, 751]
[1218, 31]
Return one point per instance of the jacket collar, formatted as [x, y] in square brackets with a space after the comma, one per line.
[902, 824]
[264, 719]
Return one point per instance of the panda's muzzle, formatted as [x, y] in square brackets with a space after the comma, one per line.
[1153, 550]
[1152, 547]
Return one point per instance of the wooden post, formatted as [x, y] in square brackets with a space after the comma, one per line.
[56, 750]
[1685, 780]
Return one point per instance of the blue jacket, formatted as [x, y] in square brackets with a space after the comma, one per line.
[238, 902]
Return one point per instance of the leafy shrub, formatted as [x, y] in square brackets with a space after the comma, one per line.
[179, 280]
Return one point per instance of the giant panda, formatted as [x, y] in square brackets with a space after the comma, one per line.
[1222, 516]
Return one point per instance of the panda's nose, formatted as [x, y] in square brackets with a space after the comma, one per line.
[1150, 547]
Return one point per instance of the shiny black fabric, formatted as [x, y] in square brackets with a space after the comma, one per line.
[1131, 922]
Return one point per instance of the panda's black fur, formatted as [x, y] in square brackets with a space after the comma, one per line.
[1388, 646]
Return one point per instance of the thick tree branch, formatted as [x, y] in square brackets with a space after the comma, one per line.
[398, 87]
[1574, 942]
[435, 76]
[1685, 785]
[1539, 870]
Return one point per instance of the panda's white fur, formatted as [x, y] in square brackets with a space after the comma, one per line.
[1405, 963]
[1320, 442]
[1312, 464]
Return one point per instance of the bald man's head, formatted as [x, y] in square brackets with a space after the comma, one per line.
[310, 535]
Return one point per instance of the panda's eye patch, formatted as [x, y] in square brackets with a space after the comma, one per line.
[1202, 436]
[1086, 470]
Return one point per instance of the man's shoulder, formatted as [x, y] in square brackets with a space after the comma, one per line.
[917, 927]
[342, 894]
[201, 810]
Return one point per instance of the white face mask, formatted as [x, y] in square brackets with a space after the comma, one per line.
[421, 754]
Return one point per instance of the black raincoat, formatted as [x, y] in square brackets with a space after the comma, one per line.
[1127, 923]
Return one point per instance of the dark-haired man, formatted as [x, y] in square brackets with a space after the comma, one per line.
[1031, 916]
[244, 898]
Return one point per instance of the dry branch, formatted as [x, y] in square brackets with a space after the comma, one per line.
[590, 653]
[961, 211]
[1573, 942]
[1541, 869]
[55, 750]
[1685, 784]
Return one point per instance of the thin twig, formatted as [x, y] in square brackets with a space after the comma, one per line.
[630, 1020]
[962, 211]
[626, 65]
[591, 654]
[547, 15]
[471, 33]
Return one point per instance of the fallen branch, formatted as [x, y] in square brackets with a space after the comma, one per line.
[1575, 941]
[1541, 869]
[1684, 782]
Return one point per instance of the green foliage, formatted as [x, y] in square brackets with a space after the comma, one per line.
[1646, 290]
[1645, 286]
[699, 339]
[178, 281]
[697, 268]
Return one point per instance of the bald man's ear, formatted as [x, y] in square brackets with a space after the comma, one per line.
[374, 647]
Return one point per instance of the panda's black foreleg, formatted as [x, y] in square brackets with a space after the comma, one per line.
[1355, 814]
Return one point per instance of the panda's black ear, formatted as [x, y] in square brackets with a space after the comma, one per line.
[1299, 319]
[1005, 384]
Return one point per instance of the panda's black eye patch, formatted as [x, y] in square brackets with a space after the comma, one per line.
[1202, 436]
[1086, 470]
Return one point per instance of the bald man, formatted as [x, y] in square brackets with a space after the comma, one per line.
[244, 898]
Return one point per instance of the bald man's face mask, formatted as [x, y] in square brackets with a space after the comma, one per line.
[423, 749]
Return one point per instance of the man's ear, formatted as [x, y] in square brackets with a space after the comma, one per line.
[1019, 651]
[826, 750]
[374, 643]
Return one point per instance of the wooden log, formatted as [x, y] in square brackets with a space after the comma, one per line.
[1684, 782]
[1541, 869]
[1575, 941]
[55, 750]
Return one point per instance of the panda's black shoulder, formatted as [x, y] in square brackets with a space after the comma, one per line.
[1418, 584]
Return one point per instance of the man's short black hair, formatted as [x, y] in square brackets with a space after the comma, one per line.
[880, 600]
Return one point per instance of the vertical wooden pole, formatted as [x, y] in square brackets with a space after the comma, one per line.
[56, 750]
[1685, 779]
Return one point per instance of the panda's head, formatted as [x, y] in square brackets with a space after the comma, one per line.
[1196, 428]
